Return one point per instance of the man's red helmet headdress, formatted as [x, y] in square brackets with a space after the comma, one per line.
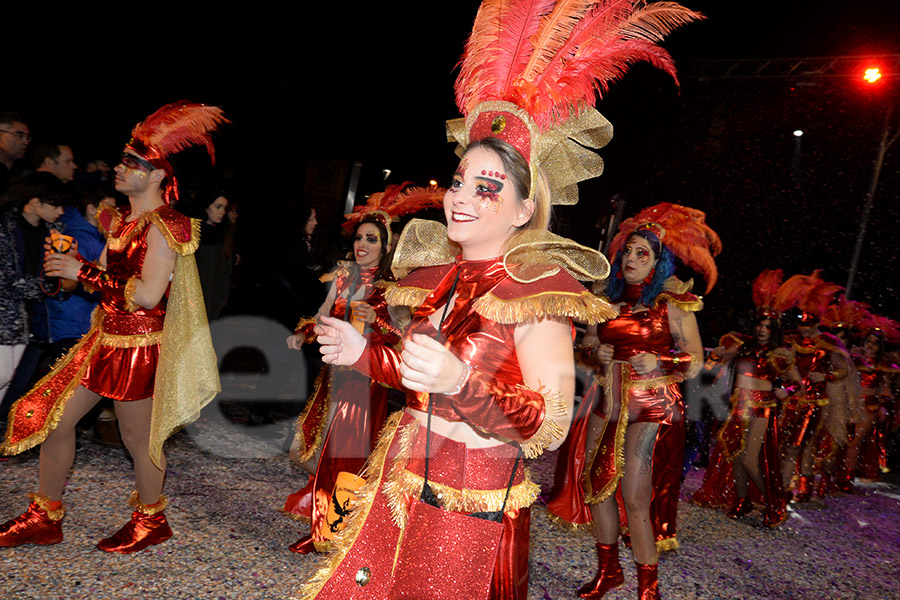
[171, 129]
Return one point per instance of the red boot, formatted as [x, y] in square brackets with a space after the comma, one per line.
[648, 585]
[742, 507]
[147, 527]
[609, 573]
[37, 525]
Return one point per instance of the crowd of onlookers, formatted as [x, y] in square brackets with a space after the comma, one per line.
[43, 189]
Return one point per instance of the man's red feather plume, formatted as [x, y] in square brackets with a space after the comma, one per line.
[552, 57]
[686, 234]
[178, 126]
[765, 287]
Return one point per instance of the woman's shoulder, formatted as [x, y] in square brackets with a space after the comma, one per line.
[558, 295]
[678, 293]
[414, 288]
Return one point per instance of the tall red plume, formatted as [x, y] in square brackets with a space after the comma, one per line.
[552, 57]
[887, 328]
[178, 126]
[845, 313]
[395, 201]
[819, 298]
[685, 233]
[765, 287]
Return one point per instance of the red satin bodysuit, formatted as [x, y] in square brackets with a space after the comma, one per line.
[718, 488]
[587, 476]
[127, 373]
[872, 459]
[494, 400]
[360, 410]
[802, 414]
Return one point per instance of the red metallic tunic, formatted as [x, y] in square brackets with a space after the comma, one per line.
[589, 476]
[874, 376]
[801, 418]
[495, 399]
[124, 365]
[360, 410]
[718, 488]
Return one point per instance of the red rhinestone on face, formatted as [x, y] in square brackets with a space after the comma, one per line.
[483, 172]
[502, 176]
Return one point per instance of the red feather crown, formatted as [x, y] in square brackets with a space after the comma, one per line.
[394, 202]
[532, 69]
[846, 314]
[682, 230]
[765, 288]
[810, 293]
[171, 129]
[883, 327]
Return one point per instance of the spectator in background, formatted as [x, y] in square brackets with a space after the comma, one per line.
[30, 205]
[56, 159]
[14, 139]
[215, 256]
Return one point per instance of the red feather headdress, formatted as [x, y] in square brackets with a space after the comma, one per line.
[171, 129]
[394, 202]
[846, 314]
[765, 288]
[810, 293]
[682, 230]
[532, 70]
[883, 327]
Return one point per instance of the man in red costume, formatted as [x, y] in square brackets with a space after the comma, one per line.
[148, 348]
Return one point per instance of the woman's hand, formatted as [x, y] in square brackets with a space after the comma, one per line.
[61, 265]
[365, 311]
[604, 354]
[341, 344]
[644, 363]
[296, 341]
[428, 366]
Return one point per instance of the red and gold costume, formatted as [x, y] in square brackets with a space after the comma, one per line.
[876, 396]
[131, 352]
[592, 476]
[801, 419]
[360, 406]
[718, 490]
[479, 329]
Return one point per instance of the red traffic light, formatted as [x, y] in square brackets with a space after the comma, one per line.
[872, 74]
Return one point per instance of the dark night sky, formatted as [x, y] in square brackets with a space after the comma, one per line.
[373, 83]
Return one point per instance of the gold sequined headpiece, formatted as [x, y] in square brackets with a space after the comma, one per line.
[531, 72]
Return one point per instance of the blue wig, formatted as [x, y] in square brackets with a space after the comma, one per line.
[665, 268]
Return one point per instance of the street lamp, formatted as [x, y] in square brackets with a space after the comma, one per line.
[871, 76]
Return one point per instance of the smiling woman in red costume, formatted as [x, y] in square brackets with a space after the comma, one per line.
[747, 448]
[634, 434]
[487, 360]
[149, 348]
[339, 425]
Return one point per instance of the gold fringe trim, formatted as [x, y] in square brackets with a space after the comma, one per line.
[344, 540]
[696, 365]
[147, 509]
[128, 294]
[341, 271]
[393, 489]
[667, 545]
[550, 430]
[115, 217]
[182, 248]
[112, 340]
[43, 502]
[295, 516]
[120, 243]
[621, 426]
[685, 305]
[583, 307]
[573, 527]
[406, 296]
[56, 414]
[521, 495]
[323, 547]
[649, 384]
[310, 449]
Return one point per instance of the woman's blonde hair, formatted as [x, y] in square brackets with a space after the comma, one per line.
[519, 173]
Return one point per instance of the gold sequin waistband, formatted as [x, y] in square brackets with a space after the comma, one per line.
[112, 340]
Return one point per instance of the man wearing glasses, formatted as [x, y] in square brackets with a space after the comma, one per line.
[14, 139]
